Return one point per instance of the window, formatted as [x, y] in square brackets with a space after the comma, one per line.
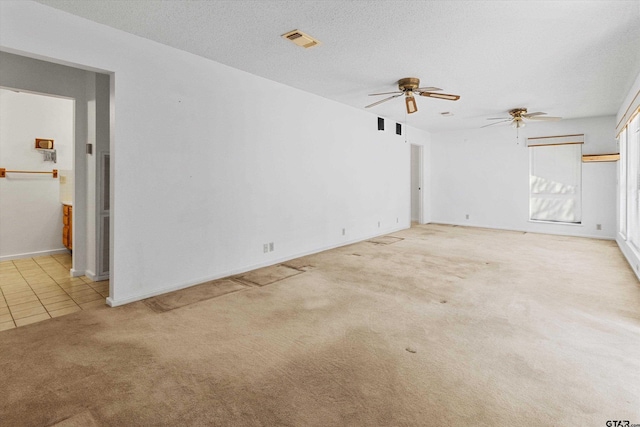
[622, 184]
[555, 176]
[631, 156]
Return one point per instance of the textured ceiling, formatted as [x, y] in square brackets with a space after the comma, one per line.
[567, 58]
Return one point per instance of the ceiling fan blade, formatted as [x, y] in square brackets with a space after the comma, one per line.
[495, 123]
[539, 113]
[446, 96]
[547, 118]
[385, 93]
[427, 89]
[499, 118]
[383, 100]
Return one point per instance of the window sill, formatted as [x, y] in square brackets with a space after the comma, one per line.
[539, 221]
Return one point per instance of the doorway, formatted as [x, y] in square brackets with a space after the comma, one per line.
[416, 184]
[82, 281]
[37, 155]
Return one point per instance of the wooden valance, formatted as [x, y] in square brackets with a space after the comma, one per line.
[556, 140]
[600, 157]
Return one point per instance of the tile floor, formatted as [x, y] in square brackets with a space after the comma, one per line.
[35, 289]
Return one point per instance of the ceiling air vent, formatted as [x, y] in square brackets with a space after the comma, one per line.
[301, 39]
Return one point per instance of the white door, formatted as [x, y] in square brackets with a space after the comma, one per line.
[416, 183]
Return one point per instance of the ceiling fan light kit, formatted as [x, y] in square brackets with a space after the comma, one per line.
[518, 123]
[412, 107]
[409, 86]
[519, 116]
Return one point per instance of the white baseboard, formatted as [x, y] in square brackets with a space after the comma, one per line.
[76, 273]
[34, 254]
[117, 302]
[96, 277]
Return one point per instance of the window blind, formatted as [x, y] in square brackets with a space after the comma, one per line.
[555, 176]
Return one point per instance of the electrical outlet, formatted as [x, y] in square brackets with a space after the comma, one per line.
[271, 247]
[265, 248]
[343, 231]
[378, 224]
[467, 216]
[598, 226]
[397, 220]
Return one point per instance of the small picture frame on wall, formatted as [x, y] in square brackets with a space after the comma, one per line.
[44, 144]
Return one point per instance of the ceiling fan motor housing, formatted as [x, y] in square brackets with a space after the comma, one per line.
[518, 112]
[408, 84]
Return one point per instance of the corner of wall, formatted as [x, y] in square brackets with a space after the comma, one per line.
[632, 256]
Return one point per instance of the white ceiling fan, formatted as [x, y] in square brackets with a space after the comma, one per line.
[408, 87]
[518, 116]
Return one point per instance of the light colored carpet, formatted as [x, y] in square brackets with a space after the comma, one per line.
[384, 240]
[450, 326]
[193, 294]
[268, 275]
[83, 419]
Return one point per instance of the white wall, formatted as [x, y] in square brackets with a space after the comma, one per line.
[485, 173]
[204, 171]
[624, 114]
[30, 209]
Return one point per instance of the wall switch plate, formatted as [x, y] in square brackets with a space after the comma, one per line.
[343, 231]
[598, 226]
[467, 216]
[271, 247]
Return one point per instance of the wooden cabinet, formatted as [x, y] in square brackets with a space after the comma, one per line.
[67, 221]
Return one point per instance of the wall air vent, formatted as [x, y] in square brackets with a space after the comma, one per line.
[301, 39]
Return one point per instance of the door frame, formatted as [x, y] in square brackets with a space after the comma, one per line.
[26, 77]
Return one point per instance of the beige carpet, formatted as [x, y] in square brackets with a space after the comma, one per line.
[451, 326]
[193, 294]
